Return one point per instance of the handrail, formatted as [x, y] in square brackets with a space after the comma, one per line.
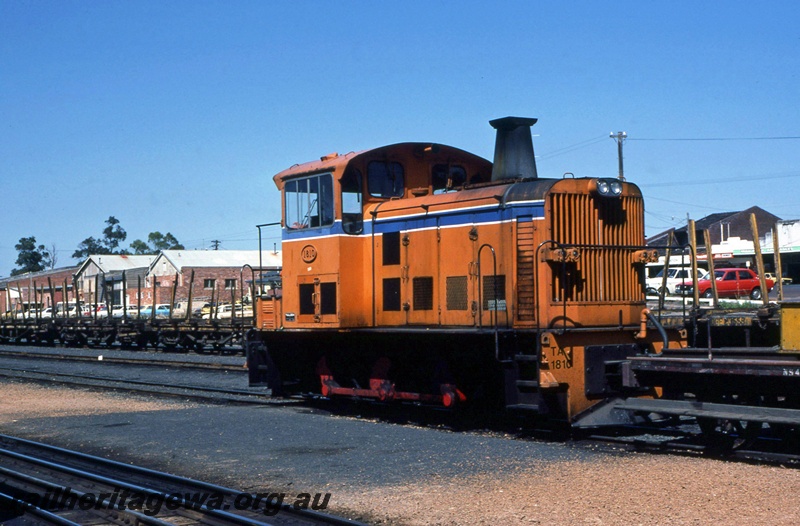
[496, 301]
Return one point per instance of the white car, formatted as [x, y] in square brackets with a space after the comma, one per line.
[29, 314]
[675, 276]
[784, 279]
[117, 311]
[226, 311]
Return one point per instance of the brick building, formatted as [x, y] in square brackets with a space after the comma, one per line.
[44, 289]
[210, 274]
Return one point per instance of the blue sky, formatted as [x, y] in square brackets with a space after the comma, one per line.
[174, 116]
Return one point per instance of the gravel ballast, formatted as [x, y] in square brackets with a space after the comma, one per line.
[393, 474]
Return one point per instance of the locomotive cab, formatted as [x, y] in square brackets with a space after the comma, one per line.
[332, 210]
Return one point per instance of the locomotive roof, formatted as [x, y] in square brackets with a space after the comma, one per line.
[335, 161]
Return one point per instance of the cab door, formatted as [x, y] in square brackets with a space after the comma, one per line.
[388, 279]
[419, 273]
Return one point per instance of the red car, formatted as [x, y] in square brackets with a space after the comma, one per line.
[731, 282]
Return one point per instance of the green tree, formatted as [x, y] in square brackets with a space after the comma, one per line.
[31, 258]
[88, 247]
[113, 235]
[156, 242]
[140, 248]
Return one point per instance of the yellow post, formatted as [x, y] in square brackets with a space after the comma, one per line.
[776, 250]
[693, 244]
[759, 261]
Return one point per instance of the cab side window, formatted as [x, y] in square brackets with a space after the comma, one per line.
[385, 179]
[309, 202]
[446, 177]
[352, 201]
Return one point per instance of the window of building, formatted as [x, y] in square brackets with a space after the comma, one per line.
[385, 179]
[230, 283]
[309, 202]
[209, 283]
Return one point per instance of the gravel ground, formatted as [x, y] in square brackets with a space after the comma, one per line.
[393, 474]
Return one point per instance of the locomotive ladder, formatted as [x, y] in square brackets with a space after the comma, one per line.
[525, 388]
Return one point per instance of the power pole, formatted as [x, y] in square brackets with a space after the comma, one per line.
[619, 136]
[215, 244]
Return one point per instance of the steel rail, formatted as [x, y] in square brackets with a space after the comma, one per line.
[119, 483]
[31, 481]
[196, 392]
[120, 360]
[311, 515]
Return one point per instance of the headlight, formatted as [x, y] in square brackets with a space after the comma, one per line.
[606, 187]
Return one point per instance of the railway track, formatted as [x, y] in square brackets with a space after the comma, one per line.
[683, 437]
[120, 360]
[186, 391]
[57, 486]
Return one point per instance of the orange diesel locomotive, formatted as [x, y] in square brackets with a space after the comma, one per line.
[420, 272]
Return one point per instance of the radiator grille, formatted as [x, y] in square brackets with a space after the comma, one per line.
[457, 293]
[610, 227]
[494, 292]
[423, 293]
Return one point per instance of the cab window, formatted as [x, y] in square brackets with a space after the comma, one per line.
[352, 214]
[309, 202]
[446, 177]
[385, 179]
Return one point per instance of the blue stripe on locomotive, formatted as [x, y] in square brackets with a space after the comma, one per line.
[527, 211]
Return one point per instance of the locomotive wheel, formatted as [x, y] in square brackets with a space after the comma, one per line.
[725, 435]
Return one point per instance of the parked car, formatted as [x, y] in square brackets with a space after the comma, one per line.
[226, 311]
[30, 314]
[73, 311]
[117, 311]
[47, 313]
[731, 283]
[102, 310]
[784, 280]
[675, 276]
[162, 311]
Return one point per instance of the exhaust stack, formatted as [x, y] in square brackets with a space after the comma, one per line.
[513, 149]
